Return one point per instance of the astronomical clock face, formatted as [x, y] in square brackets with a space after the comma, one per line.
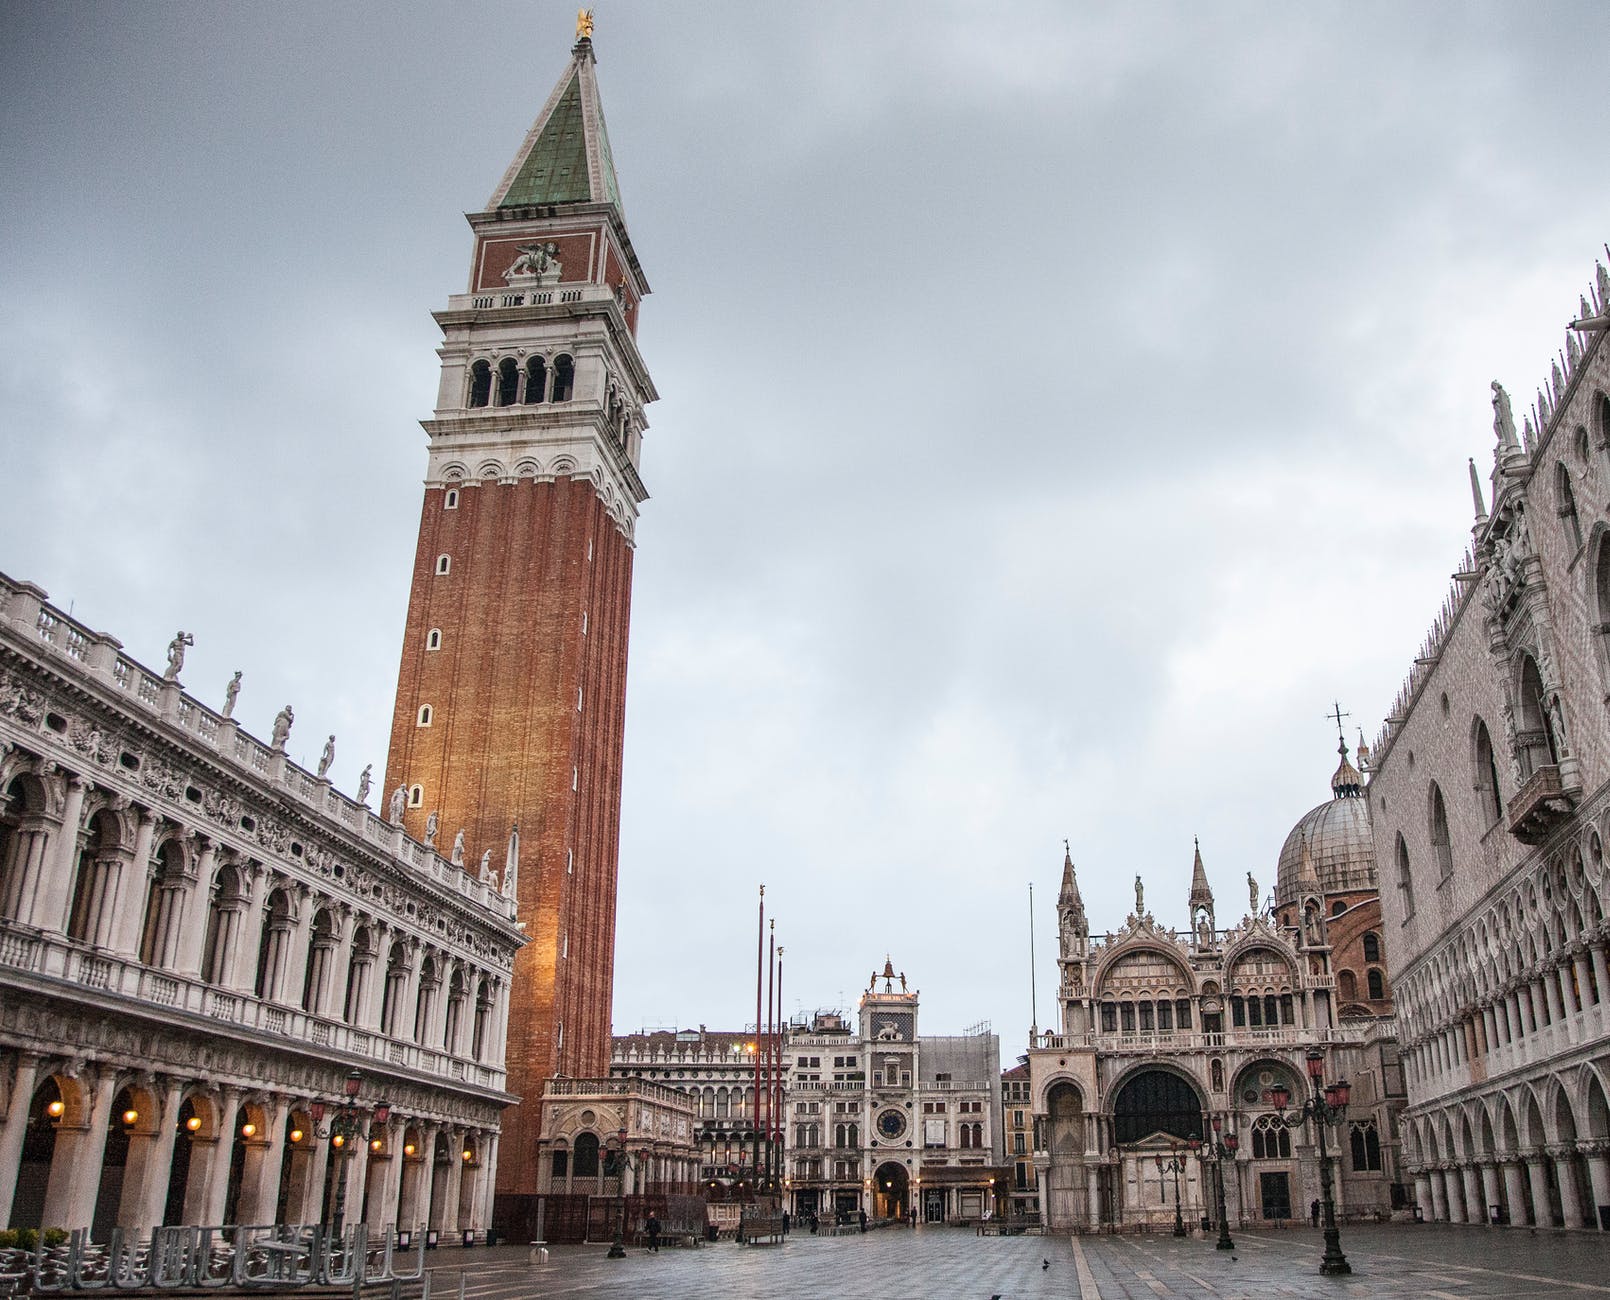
[891, 1124]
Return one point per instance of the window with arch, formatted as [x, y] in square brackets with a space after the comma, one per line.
[433, 639]
[1271, 1140]
[425, 715]
[1440, 844]
[481, 384]
[1346, 986]
[536, 380]
[450, 499]
[1486, 772]
[508, 381]
[585, 1155]
[564, 377]
[1366, 1148]
[1565, 503]
[416, 796]
[443, 564]
[1405, 877]
[1538, 744]
[1372, 946]
[1377, 984]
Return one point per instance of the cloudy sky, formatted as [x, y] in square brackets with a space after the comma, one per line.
[1061, 406]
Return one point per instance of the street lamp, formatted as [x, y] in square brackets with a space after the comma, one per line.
[622, 1158]
[1174, 1164]
[344, 1126]
[1220, 1151]
[1327, 1106]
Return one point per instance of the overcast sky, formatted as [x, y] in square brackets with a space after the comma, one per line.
[1061, 406]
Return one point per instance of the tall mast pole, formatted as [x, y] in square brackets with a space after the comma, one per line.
[777, 1072]
[763, 1098]
[1034, 997]
[760, 978]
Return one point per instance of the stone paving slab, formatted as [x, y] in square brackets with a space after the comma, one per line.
[1426, 1262]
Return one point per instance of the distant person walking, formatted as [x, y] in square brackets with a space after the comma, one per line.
[863, 1220]
[653, 1227]
[1313, 1213]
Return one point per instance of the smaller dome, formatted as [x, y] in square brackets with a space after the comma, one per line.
[1339, 841]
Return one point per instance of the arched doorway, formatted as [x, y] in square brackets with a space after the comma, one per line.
[1066, 1194]
[891, 1192]
[1155, 1113]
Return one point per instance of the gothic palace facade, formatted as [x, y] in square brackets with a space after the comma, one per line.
[200, 942]
[1490, 799]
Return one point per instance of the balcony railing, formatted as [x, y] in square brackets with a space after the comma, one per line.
[1539, 806]
[55, 958]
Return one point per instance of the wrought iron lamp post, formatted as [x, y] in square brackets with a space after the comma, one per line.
[623, 1162]
[344, 1127]
[1174, 1164]
[1327, 1106]
[1221, 1151]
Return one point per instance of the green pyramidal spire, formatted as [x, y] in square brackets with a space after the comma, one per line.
[565, 156]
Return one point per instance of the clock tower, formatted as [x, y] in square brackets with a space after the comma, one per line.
[511, 697]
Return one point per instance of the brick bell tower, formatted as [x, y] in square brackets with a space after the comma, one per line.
[511, 698]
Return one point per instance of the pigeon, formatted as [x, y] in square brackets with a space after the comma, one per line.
[1044, 1264]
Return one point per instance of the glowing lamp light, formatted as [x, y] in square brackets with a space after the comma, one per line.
[468, 1154]
[130, 1115]
[193, 1123]
[55, 1109]
[296, 1135]
[248, 1129]
[338, 1141]
[377, 1144]
[408, 1148]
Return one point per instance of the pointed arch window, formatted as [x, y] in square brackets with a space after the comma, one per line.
[1565, 501]
[1539, 746]
[1271, 1140]
[481, 384]
[1405, 878]
[1440, 842]
[1486, 773]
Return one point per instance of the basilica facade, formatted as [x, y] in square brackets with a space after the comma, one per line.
[229, 993]
[1169, 1036]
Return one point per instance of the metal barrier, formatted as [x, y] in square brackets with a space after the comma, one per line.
[283, 1257]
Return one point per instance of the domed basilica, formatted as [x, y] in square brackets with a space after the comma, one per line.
[1172, 1038]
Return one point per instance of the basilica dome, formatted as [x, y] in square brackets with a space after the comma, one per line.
[1339, 841]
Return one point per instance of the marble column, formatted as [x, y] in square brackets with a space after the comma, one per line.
[1490, 1195]
[1598, 1176]
[1570, 1197]
[489, 1170]
[1422, 1196]
[305, 1189]
[145, 1177]
[1542, 1207]
[455, 1179]
[1601, 972]
[265, 1160]
[1475, 1206]
[28, 852]
[1550, 989]
[293, 977]
[75, 1169]
[121, 929]
[214, 1185]
[22, 1096]
[1439, 1195]
[1515, 1193]
[53, 890]
[198, 895]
